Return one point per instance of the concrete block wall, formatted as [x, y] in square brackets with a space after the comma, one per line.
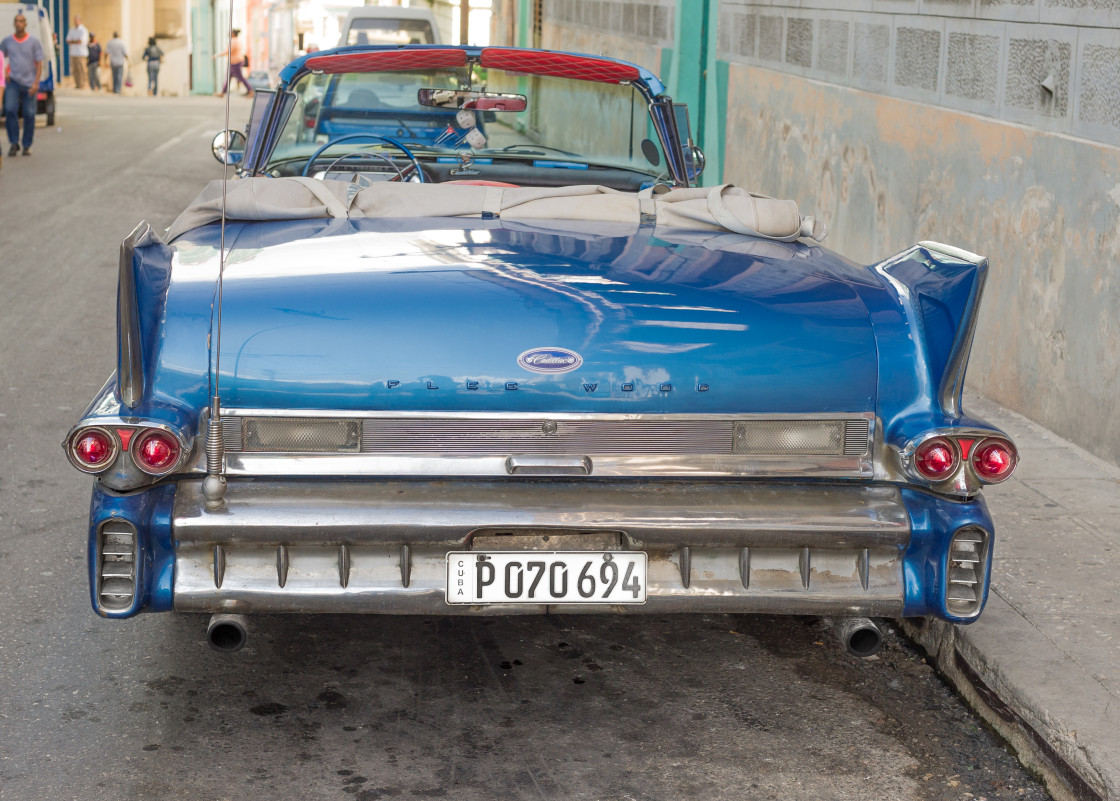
[647, 20]
[1050, 64]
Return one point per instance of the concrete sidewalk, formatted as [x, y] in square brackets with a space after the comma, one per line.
[1042, 665]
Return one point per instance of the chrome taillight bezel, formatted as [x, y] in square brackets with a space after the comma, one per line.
[939, 439]
[76, 437]
[964, 480]
[145, 431]
[978, 447]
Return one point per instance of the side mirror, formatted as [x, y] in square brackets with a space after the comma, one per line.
[699, 161]
[228, 147]
[694, 160]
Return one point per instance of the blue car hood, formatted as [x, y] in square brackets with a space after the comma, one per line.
[434, 315]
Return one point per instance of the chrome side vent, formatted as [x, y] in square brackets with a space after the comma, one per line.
[968, 558]
[116, 569]
[856, 435]
[233, 434]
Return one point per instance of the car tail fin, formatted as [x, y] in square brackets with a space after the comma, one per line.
[132, 320]
[945, 285]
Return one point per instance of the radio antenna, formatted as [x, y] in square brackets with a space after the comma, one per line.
[214, 485]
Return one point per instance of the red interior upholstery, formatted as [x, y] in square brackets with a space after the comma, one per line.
[561, 65]
[388, 61]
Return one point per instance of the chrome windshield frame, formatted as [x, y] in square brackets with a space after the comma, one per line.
[659, 107]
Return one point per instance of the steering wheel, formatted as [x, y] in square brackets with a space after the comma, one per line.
[363, 178]
[351, 136]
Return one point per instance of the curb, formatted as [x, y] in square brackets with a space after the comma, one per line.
[1030, 693]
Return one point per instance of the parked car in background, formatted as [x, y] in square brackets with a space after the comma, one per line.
[259, 79]
[374, 25]
[39, 26]
[531, 369]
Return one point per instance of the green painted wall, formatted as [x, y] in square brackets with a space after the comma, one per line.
[694, 76]
[524, 20]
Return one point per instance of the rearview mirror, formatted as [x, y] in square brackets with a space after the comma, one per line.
[474, 101]
[228, 147]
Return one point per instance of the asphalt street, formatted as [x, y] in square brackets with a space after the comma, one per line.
[334, 707]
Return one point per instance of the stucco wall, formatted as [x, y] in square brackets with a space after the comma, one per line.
[885, 172]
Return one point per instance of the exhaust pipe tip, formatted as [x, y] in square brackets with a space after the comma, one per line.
[227, 633]
[860, 636]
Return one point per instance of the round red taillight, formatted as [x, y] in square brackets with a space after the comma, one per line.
[936, 459]
[156, 452]
[994, 460]
[92, 449]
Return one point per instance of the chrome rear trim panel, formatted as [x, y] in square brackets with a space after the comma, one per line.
[601, 465]
[805, 549]
[478, 444]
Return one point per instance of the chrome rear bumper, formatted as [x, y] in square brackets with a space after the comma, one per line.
[380, 546]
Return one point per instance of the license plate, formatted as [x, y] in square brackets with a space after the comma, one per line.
[544, 577]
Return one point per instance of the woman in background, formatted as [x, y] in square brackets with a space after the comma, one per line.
[237, 62]
[154, 56]
[94, 63]
[3, 82]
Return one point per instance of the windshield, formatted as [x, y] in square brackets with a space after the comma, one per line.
[566, 124]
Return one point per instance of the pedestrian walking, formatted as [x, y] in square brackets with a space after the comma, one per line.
[94, 63]
[24, 55]
[117, 51]
[3, 81]
[78, 40]
[154, 56]
[237, 64]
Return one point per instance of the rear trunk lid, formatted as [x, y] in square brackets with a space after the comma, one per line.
[475, 315]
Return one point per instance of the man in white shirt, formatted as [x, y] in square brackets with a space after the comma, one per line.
[78, 39]
[117, 51]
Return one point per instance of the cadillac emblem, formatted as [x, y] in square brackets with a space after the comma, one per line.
[550, 360]
[466, 164]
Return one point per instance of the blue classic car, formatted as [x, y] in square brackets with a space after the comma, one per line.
[525, 368]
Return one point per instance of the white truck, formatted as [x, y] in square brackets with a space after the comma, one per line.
[377, 25]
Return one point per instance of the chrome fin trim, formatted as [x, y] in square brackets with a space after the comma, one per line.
[130, 362]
